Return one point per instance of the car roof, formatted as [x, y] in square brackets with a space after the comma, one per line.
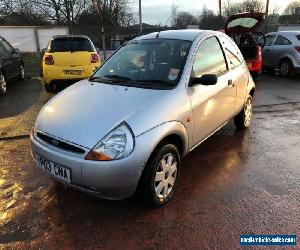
[71, 36]
[287, 32]
[187, 34]
[291, 35]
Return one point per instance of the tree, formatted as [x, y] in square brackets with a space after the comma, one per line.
[291, 8]
[20, 12]
[183, 19]
[62, 11]
[6, 9]
[231, 8]
[209, 20]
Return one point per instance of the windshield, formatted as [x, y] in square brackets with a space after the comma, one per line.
[70, 44]
[148, 62]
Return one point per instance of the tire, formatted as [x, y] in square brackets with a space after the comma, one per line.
[243, 119]
[3, 84]
[49, 87]
[160, 177]
[286, 68]
[255, 75]
[21, 76]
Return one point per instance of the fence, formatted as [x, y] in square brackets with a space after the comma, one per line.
[30, 40]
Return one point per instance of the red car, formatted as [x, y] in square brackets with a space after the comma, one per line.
[242, 28]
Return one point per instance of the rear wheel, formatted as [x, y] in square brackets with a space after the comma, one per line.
[286, 68]
[3, 84]
[50, 87]
[21, 76]
[243, 119]
[160, 176]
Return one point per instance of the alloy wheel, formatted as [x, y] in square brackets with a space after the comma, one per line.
[165, 176]
[22, 70]
[248, 112]
[3, 85]
[285, 69]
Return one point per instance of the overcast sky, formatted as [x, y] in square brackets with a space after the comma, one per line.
[158, 11]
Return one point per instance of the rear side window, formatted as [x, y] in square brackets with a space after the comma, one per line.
[232, 52]
[209, 59]
[298, 37]
[269, 40]
[282, 41]
[70, 44]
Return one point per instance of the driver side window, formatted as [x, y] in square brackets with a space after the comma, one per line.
[209, 59]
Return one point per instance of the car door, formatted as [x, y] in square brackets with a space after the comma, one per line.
[212, 105]
[281, 47]
[6, 60]
[237, 69]
[268, 50]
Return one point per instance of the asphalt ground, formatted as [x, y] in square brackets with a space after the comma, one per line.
[236, 182]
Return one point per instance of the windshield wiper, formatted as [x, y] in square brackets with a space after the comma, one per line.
[118, 78]
[99, 79]
[161, 82]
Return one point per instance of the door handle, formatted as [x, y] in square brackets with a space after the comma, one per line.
[267, 50]
[230, 83]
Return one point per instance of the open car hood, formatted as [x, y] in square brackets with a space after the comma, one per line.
[244, 22]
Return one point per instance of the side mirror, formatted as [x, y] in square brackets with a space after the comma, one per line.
[208, 79]
[44, 50]
[16, 51]
[98, 50]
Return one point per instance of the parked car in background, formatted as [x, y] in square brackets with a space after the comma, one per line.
[69, 58]
[11, 64]
[242, 28]
[282, 51]
[127, 127]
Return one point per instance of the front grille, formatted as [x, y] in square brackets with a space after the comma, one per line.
[60, 144]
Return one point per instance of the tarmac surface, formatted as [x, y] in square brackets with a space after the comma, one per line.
[236, 182]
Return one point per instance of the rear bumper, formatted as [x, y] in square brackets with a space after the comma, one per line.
[53, 73]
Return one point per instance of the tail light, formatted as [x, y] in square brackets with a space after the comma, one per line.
[95, 58]
[48, 59]
[297, 48]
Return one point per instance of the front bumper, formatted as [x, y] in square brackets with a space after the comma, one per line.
[108, 179]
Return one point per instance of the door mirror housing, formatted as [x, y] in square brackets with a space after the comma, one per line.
[207, 79]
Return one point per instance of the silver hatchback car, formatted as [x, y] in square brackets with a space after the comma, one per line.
[282, 51]
[154, 100]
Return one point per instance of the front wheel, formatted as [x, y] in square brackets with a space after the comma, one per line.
[243, 119]
[21, 76]
[160, 176]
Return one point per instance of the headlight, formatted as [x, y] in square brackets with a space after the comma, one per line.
[118, 144]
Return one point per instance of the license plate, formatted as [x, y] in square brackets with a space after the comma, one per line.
[73, 72]
[54, 169]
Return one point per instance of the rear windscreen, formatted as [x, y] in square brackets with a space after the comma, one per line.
[70, 44]
[246, 22]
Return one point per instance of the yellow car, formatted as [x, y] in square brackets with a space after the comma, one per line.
[69, 59]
